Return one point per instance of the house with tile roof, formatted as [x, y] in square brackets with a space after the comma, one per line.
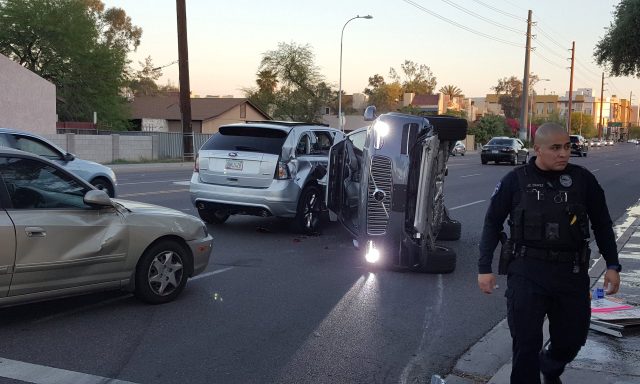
[162, 113]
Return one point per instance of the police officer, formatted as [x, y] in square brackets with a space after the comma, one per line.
[550, 203]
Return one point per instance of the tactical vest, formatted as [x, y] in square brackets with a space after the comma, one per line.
[551, 213]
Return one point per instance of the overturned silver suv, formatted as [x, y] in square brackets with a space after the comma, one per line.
[385, 184]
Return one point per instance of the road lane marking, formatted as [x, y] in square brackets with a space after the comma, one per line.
[475, 174]
[466, 205]
[595, 170]
[618, 164]
[152, 193]
[41, 374]
[151, 182]
[211, 273]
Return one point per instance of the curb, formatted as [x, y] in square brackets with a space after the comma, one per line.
[150, 166]
[489, 360]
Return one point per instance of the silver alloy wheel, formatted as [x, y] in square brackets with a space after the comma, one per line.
[165, 273]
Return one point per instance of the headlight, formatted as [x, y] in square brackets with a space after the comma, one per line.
[373, 255]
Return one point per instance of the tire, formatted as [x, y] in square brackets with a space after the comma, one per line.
[439, 260]
[449, 128]
[213, 217]
[526, 159]
[484, 161]
[514, 161]
[104, 185]
[161, 272]
[462, 154]
[584, 154]
[309, 213]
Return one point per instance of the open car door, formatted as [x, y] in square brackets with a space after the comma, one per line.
[343, 184]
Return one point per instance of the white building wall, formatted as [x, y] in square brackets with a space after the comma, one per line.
[27, 101]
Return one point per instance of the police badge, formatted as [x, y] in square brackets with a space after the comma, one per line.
[565, 181]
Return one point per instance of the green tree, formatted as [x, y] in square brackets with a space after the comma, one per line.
[489, 126]
[384, 96]
[298, 89]
[509, 91]
[77, 45]
[417, 78]
[144, 80]
[582, 124]
[619, 49]
[634, 132]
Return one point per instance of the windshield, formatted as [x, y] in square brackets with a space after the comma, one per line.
[500, 142]
[243, 138]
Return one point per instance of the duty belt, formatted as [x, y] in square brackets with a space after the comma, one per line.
[545, 254]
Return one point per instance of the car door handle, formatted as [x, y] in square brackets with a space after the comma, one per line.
[35, 232]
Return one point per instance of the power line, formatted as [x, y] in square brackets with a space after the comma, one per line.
[545, 34]
[549, 49]
[465, 10]
[548, 61]
[501, 11]
[462, 26]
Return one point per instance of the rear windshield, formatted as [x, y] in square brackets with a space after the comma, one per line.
[500, 142]
[574, 139]
[252, 139]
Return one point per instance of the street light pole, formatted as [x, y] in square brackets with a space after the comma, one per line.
[340, 81]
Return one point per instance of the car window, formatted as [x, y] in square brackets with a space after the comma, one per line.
[501, 142]
[4, 141]
[243, 138]
[358, 139]
[35, 146]
[34, 184]
[324, 140]
[304, 145]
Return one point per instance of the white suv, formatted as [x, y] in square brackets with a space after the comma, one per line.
[266, 168]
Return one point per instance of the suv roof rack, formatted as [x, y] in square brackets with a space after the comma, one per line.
[283, 123]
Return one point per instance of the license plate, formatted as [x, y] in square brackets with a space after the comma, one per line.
[494, 151]
[234, 165]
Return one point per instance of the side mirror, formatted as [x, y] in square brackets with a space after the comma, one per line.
[97, 198]
[68, 157]
[370, 113]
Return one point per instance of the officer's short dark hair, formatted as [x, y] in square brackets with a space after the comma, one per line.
[547, 129]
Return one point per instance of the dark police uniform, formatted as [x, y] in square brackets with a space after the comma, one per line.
[549, 213]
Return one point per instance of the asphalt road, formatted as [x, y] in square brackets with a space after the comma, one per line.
[274, 306]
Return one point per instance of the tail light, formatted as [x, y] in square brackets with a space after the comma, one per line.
[196, 167]
[282, 171]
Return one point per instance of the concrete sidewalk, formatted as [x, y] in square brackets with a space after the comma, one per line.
[137, 167]
[604, 359]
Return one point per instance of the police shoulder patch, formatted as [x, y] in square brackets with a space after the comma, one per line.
[566, 181]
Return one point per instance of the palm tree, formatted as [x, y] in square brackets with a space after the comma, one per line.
[451, 91]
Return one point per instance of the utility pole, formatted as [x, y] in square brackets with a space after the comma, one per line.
[525, 84]
[185, 90]
[573, 52]
[601, 103]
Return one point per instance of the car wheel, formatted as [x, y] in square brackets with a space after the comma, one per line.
[462, 154]
[103, 184]
[213, 217]
[438, 260]
[584, 154]
[162, 271]
[483, 161]
[526, 159]
[514, 160]
[309, 212]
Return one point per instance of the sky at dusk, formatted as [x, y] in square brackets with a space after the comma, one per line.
[227, 40]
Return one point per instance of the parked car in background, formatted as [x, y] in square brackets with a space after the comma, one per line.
[579, 145]
[266, 168]
[504, 150]
[610, 142]
[60, 236]
[100, 176]
[595, 142]
[459, 149]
